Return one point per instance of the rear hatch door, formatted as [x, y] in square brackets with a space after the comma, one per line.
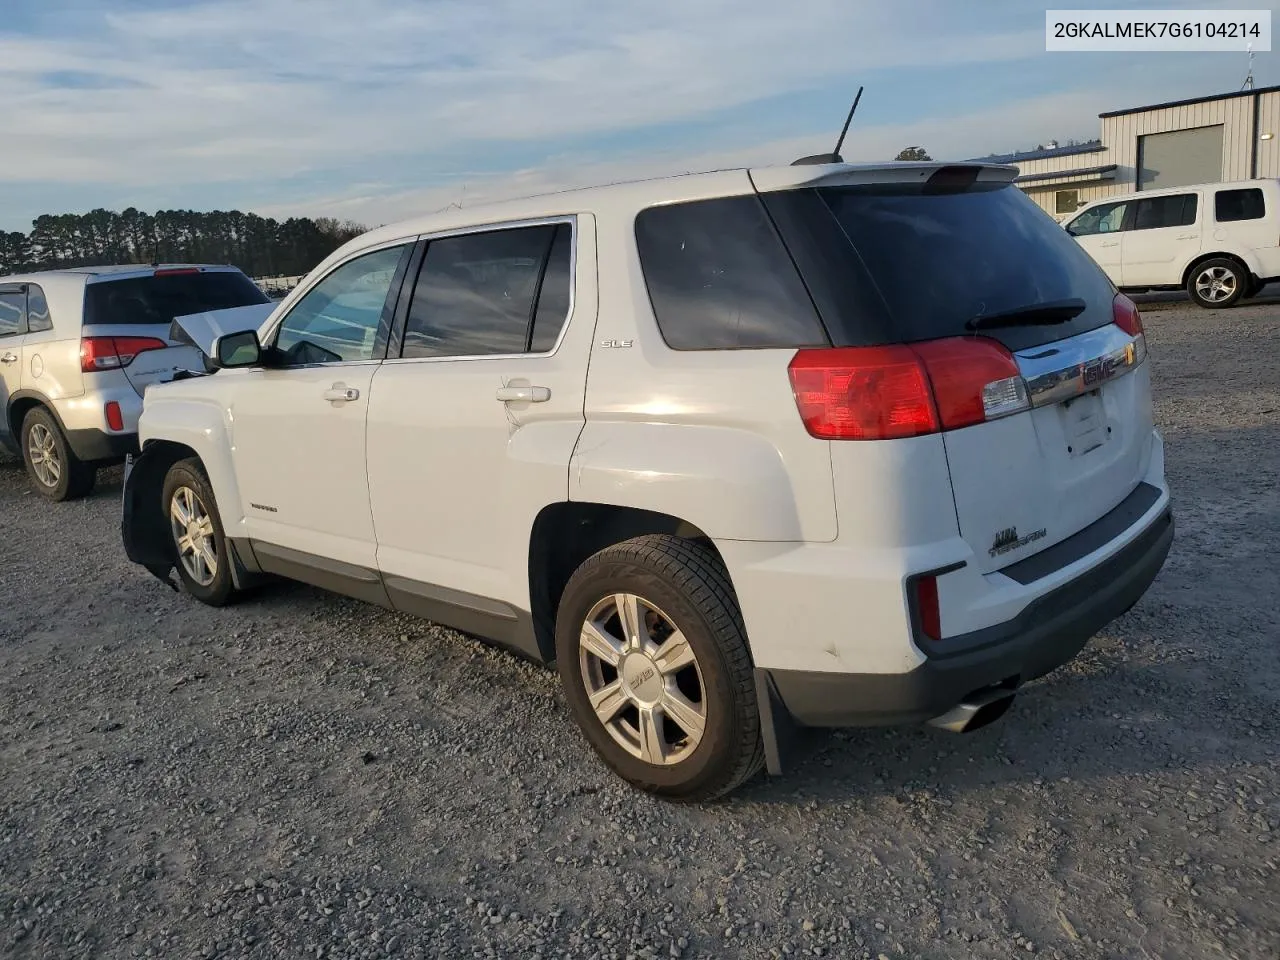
[980, 259]
[138, 311]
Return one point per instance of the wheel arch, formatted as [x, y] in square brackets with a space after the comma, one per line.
[1251, 270]
[565, 534]
[23, 402]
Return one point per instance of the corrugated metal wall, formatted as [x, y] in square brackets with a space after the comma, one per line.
[1120, 135]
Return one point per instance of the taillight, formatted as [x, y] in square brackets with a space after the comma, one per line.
[862, 393]
[112, 353]
[115, 419]
[175, 271]
[891, 392]
[926, 589]
[1126, 316]
[974, 379]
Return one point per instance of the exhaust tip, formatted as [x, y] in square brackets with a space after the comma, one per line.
[976, 711]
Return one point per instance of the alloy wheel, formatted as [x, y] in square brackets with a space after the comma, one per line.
[43, 451]
[193, 535]
[1216, 284]
[642, 679]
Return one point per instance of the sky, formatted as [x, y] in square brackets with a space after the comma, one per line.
[376, 110]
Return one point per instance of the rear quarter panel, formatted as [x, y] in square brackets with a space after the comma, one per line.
[710, 437]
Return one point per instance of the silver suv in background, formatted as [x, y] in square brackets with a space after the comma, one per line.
[77, 349]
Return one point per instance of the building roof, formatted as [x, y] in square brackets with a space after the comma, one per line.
[1100, 173]
[1093, 146]
[1186, 103]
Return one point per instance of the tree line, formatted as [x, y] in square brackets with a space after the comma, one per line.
[260, 246]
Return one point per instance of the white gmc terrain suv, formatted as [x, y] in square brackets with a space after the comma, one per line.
[825, 444]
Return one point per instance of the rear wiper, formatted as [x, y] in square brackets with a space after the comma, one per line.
[1056, 311]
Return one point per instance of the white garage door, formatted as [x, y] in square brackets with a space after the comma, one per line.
[1180, 157]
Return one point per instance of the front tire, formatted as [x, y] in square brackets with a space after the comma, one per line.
[55, 472]
[201, 556]
[1219, 283]
[653, 658]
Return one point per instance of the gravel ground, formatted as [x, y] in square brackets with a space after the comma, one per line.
[302, 775]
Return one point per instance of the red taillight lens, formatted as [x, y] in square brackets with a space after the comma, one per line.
[927, 606]
[1126, 315]
[175, 271]
[974, 379]
[886, 393]
[862, 393]
[115, 419]
[112, 353]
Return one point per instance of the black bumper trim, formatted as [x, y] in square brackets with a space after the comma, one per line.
[95, 446]
[1093, 537]
[1045, 635]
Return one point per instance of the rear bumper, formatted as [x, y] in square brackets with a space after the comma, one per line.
[1045, 635]
[98, 446]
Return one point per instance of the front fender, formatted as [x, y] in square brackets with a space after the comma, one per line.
[201, 426]
[730, 483]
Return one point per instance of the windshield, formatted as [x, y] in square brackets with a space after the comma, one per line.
[159, 299]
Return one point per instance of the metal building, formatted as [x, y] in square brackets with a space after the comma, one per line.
[1233, 136]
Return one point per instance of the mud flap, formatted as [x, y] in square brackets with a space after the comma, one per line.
[777, 727]
[146, 542]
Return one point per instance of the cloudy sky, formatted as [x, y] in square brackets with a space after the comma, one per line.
[378, 109]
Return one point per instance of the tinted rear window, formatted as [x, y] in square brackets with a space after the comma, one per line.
[903, 264]
[158, 299]
[720, 278]
[1234, 205]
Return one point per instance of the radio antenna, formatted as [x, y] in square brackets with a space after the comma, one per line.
[833, 156]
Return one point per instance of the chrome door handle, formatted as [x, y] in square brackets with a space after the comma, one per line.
[9, 358]
[524, 394]
[1113, 243]
[341, 393]
[1189, 236]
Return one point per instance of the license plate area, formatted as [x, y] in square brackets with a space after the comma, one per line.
[1084, 423]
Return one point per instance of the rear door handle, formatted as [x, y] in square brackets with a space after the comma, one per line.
[1113, 243]
[1189, 236]
[341, 393]
[9, 358]
[524, 394]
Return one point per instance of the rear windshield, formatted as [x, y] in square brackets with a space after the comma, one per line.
[901, 264]
[158, 299]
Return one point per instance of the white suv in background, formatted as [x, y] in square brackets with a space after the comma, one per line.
[829, 444]
[1220, 242]
[77, 349]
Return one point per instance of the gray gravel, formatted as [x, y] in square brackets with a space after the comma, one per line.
[302, 775]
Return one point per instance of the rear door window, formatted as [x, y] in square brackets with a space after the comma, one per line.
[720, 278]
[158, 299]
[1231, 206]
[13, 308]
[38, 318]
[1154, 213]
[490, 294]
[940, 258]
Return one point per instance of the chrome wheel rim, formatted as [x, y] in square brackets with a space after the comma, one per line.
[193, 535]
[1216, 284]
[43, 452]
[642, 679]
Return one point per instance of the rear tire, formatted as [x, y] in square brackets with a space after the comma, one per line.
[55, 472]
[1219, 283]
[684, 723]
[201, 556]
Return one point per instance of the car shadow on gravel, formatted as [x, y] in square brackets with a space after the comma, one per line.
[1115, 721]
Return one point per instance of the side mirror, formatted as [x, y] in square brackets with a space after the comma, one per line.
[238, 349]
